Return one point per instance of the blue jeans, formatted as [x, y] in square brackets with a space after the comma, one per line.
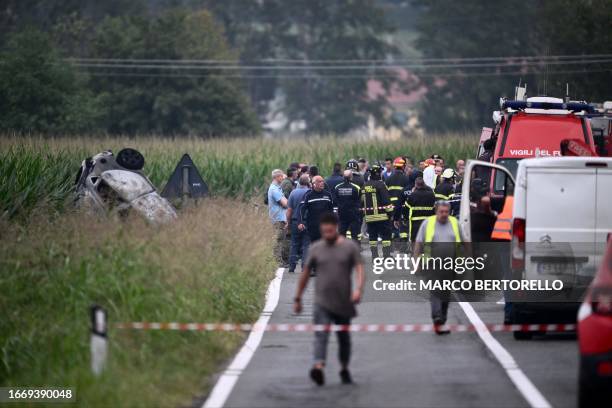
[299, 246]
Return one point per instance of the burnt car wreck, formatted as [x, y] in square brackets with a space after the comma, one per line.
[116, 185]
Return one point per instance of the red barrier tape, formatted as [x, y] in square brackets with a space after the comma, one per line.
[368, 328]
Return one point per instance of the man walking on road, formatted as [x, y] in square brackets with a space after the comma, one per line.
[334, 257]
[439, 237]
[277, 204]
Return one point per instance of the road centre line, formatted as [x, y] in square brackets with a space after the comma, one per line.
[226, 382]
[534, 397]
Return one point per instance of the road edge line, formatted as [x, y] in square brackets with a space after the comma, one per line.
[528, 390]
[226, 382]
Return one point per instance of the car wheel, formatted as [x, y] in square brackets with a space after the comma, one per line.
[522, 335]
[130, 159]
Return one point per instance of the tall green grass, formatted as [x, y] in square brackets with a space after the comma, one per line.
[52, 271]
[36, 171]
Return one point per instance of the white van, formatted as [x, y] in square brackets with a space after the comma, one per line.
[561, 218]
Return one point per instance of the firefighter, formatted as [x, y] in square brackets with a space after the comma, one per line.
[376, 206]
[445, 190]
[396, 183]
[415, 206]
[353, 166]
[346, 197]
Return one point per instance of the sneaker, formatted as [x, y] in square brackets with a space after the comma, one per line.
[345, 376]
[317, 376]
[440, 327]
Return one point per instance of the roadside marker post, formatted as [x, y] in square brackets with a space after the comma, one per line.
[98, 340]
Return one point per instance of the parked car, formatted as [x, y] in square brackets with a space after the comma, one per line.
[595, 339]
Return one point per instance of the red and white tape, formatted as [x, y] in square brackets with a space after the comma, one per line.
[368, 328]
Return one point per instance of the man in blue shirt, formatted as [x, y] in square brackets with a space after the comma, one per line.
[299, 239]
[277, 204]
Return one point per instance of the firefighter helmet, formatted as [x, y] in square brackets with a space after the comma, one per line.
[375, 171]
[352, 165]
[399, 162]
[448, 174]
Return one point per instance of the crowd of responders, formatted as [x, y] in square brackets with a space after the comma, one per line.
[382, 201]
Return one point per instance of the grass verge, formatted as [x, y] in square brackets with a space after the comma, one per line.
[213, 264]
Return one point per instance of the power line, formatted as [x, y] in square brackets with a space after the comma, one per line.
[310, 62]
[340, 67]
[307, 76]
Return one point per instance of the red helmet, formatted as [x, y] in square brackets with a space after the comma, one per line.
[399, 162]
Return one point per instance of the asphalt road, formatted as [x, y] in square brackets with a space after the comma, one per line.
[404, 369]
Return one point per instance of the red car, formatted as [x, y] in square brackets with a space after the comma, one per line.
[595, 338]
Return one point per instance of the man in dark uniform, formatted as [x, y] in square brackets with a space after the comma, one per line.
[346, 197]
[377, 206]
[396, 183]
[415, 206]
[316, 202]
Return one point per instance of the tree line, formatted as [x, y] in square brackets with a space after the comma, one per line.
[88, 66]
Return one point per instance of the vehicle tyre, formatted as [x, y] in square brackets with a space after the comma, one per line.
[522, 335]
[130, 159]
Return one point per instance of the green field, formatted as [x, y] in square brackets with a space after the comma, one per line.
[38, 172]
[212, 265]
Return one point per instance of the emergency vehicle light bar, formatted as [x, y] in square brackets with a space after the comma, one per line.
[570, 106]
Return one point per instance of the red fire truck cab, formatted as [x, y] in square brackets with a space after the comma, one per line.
[535, 128]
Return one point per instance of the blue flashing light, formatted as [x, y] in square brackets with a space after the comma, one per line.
[569, 106]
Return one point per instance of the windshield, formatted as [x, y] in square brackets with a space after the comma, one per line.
[512, 166]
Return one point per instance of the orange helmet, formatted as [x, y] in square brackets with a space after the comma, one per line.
[399, 162]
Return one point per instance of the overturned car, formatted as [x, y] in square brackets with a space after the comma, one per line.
[113, 184]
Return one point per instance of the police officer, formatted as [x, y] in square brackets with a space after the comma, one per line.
[346, 198]
[376, 206]
[415, 206]
[316, 202]
[396, 183]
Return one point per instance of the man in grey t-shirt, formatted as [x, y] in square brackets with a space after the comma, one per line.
[334, 258]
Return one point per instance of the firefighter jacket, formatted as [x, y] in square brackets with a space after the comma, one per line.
[415, 206]
[396, 183]
[375, 202]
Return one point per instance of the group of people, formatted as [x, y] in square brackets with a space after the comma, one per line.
[320, 221]
[390, 200]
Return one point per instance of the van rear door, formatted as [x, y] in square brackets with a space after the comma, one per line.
[560, 221]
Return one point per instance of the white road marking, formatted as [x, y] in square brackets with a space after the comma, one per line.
[533, 396]
[228, 379]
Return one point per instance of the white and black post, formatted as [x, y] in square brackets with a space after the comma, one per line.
[99, 339]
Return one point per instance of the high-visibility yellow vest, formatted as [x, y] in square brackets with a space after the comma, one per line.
[430, 230]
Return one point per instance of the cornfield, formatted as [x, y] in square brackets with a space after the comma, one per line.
[39, 173]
